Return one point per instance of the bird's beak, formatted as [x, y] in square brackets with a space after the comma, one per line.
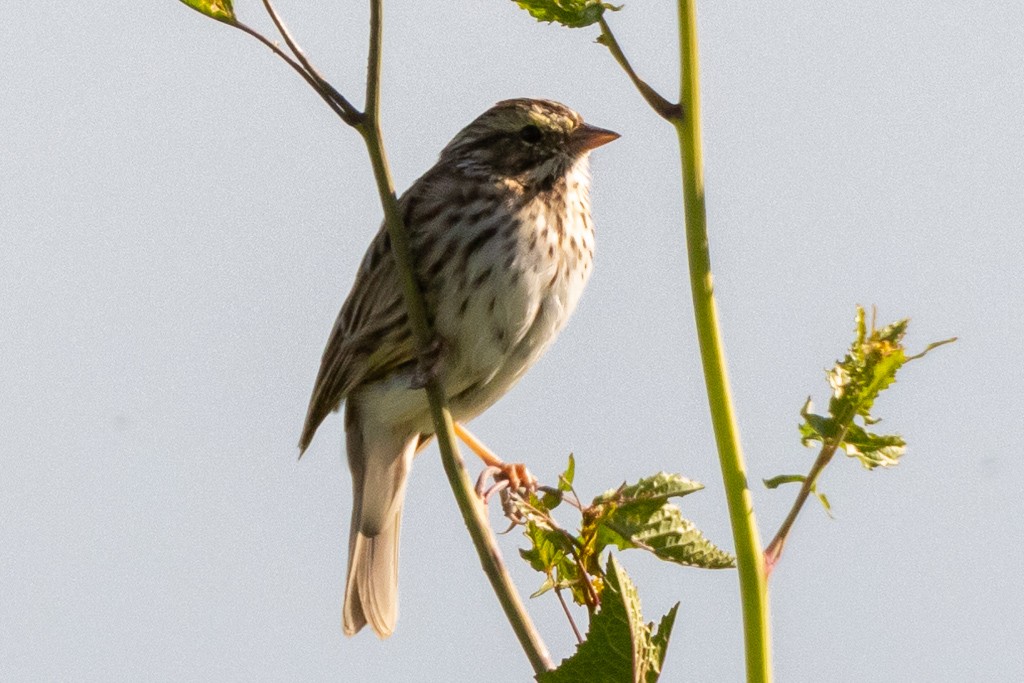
[587, 137]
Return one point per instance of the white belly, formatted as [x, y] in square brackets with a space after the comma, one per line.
[501, 309]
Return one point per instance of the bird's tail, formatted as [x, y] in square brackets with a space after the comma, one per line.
[371, 592]
[380, 466]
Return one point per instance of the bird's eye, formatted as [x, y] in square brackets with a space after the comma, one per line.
[530, 134]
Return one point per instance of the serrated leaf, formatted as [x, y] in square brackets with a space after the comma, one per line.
[541, 504]
[880, 372]
[619, 646]
[568, 13]
[656, 489]
[640, 516]
[777, 481]
[221, 10]
[659, 639]
[869, 368]
[662, 531]
[873, 450]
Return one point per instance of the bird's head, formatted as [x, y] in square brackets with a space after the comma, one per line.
[531, 141]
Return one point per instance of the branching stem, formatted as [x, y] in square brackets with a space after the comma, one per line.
[367, 123]
[473, 512]
[348, 113]
[774, 550]
[299, 69]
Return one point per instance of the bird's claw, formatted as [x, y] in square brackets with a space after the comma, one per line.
[510, 475]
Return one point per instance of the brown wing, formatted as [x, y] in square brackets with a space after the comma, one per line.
[370, 337]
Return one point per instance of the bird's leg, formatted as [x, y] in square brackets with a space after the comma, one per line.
[428, 366]
[513, 475]
[483, 452]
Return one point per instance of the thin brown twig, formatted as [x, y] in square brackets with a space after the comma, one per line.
[348, 113]
[773, 552]
[568, 615]
[326, 95]
[665, 109]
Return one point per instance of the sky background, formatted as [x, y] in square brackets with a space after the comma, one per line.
[181, 218]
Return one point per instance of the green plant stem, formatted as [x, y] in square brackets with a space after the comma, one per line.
[749, 558]
[473, 511]
[685, 118]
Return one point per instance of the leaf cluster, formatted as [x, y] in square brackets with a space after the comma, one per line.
[568, 13]
[619, 645]
[638, 516]
[870, 367]
[221, 10]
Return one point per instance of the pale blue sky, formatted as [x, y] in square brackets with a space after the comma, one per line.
[181, 217]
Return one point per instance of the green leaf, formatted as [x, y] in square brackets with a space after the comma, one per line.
[569, 13]
[873, 450]
[656, 489]
[823, 499]
[869, 368]
[817, 427]
[640, 516]
[659, 640]
[619, 646]
[544, 588]
[776, 482]
[549, 501]
[552, 498]
[662, 531]
[547, 547]
[221, 10]
[565, 478]
[551, 553]
[569, 576]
